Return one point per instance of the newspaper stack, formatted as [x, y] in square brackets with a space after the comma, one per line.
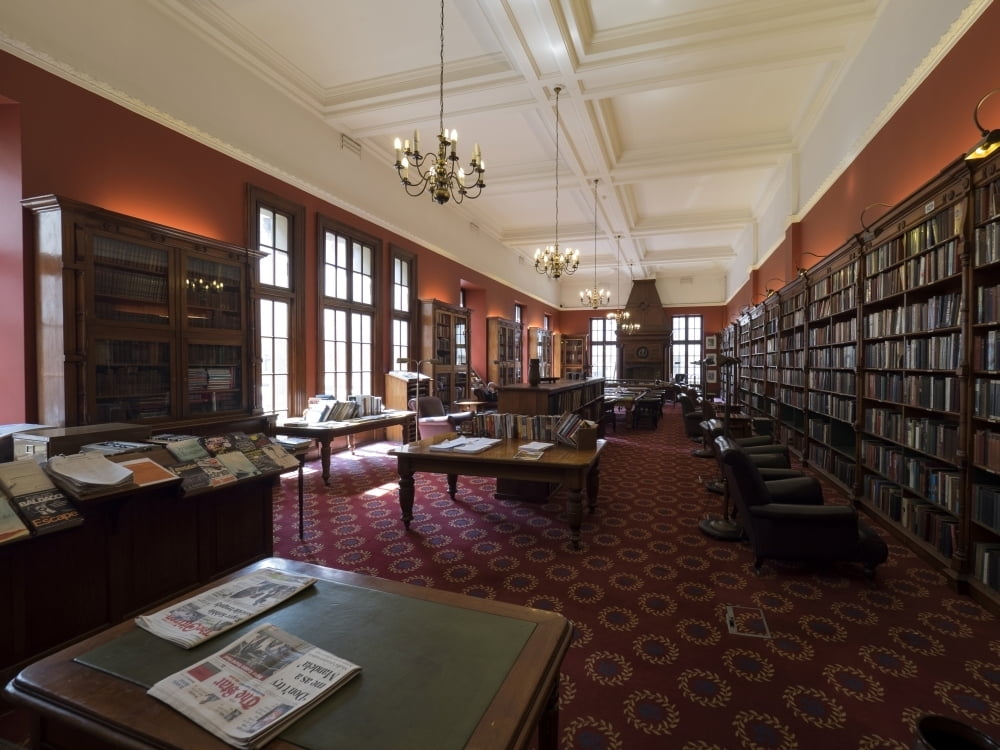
[89, 473]
[218, 609]
[250, 691]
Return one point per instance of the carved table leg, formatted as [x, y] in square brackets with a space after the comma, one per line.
[452, 485]
[574, 516]
[324, 456]
[593, 485]
[406, 495]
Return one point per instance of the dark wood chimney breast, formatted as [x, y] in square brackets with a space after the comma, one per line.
[644, 355]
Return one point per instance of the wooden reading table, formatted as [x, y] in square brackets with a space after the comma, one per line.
[325, 433]
[439, 670]
[575, 470]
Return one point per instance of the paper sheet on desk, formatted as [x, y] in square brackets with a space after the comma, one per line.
[466, 444]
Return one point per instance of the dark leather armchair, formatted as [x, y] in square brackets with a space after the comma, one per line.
[694, 412]
[786, 519]
[712, 428]
[432, 419]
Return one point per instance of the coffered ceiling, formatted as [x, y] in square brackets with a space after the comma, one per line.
[690, 114]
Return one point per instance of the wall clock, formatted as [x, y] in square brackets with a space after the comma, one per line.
[642, 352]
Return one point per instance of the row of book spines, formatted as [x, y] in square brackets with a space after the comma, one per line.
[925, 520]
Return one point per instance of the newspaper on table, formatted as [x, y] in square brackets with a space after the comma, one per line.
[218, 609]
[250, 691]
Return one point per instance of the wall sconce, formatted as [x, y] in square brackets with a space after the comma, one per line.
[801, 272]
[867, 235]
[990, 141]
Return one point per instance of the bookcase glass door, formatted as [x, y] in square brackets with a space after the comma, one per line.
[132, 379]
[215, 378]
[212, 296]
[131, 282]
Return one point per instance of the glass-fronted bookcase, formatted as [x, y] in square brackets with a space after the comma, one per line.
[138, 322]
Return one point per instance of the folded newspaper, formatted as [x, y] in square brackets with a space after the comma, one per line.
[250, 691]
[218, 609]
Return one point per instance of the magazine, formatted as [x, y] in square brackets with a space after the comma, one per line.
[248, 692]
[218, 609]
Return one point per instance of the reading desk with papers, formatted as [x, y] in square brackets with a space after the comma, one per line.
[573, 469]
[438, 669]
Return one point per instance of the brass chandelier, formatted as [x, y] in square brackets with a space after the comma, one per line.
[553, 261]
[440, 176]
[621, 316]
[594, 297]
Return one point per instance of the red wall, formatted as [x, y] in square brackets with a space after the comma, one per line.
[76, 144]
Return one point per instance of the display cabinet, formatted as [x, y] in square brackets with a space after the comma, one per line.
[540, 342]
[138, 322]
[445, 349]
[574, 356]
[503, 351]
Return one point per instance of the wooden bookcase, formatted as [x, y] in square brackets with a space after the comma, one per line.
[138, 322]
[574, 356]
[982, 405]
[445, 349]
[888, 374]
[503, 351]
[831, 373]
[540, 343]
[790, 408]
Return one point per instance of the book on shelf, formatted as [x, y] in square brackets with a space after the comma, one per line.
[41, 505]
[12, 527]
[238, 463]
[218, 473]
[146, 471]
[222, 607]
[249, 691]
[187, 449]
[193, 475]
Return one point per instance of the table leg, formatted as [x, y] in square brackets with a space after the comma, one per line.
[593, 485]
[406, 495]
[574, 516]
[548, 723]
[452, 485]
[324, 456]
[302, 463]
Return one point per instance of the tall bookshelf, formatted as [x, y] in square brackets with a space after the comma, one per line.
[540, 343]
[790, 406]
[831, 368]
[139, 322]
[503, 351]
[982, 486]
[888, 373]
[574, 355]
[445, 349]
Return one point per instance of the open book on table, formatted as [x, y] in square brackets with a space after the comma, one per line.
[252, 689]
[218, 609]
[463, 444]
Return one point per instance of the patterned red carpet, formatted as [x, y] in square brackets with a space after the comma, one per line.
[820, 659]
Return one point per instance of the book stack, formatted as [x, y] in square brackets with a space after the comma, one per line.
[89, 473]
[576, 432]
[213, 461]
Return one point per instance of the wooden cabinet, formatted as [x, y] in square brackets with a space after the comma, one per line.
[400, 387]
[503, 351]
[540, 348]
[445, 349]
[134, 550]
[138, 322]
[575, 356]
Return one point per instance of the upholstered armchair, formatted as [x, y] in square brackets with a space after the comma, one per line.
[712, 428]
[432, 419]
[694, 412]
[786, 519]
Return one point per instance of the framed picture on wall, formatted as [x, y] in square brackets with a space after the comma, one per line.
[711, 343]
[711, 376]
